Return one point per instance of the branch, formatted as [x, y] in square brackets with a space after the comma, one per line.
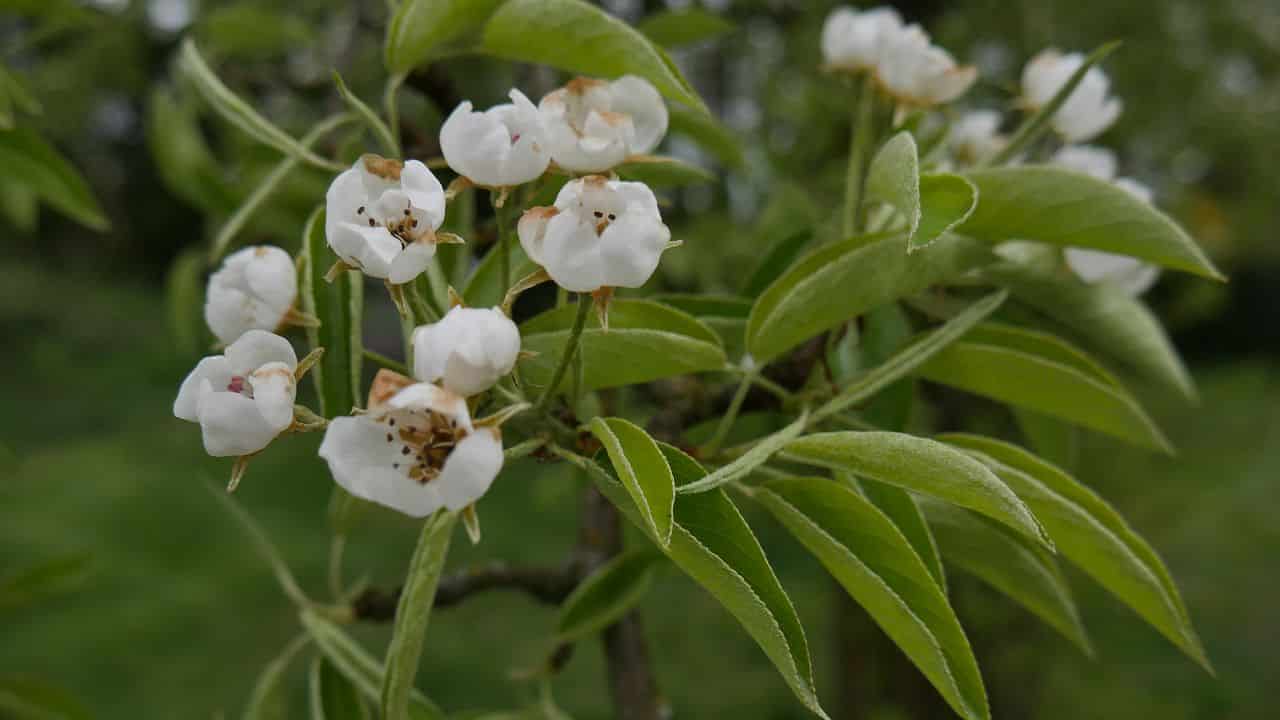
[548, 585]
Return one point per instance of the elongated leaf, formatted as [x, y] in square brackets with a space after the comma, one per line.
[901, 507]
[879, 569]
[332, 696]
[238, 112]
[183, 158]
[27, 158]
[712, 543]
[340, 308]
[269, 700]
[575, 36]
[358, 666]
[911, 357]
[922, 465]
[1063, 207]
[932, 204]
[842, 280]
[27, 698]
[1010, 564]
[645, 341]
[1045, 383]
[1108, 321]
[606, 595]
[725, 314]
[676, 28]
[758, 455]
[413, 612]
[709, 133]
[1093, 536]
[42, 581]
[643, 470]
[778, 256]
[250, 31]
[423, 29]
[661, 172]
[1052, 439]
[18, 204]
[484, 287]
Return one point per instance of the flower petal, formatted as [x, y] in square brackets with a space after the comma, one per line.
[214, 370]
[420, 397]
[470, 469]
[424, 190]
[274, 391]
[638, 98]
[257, 348]
[411, 262]
[366, 465]
[232, 425]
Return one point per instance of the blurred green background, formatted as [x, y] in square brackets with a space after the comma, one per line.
[176, 615]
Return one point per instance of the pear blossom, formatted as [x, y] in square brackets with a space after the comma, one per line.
[254, 289]
[916, 72]
[467, 351]
[852, 40]
[500, 147]
[976, 135]
[243, 398]
[600, 233]
[381, 216]
[415, 450]
[592, 125]
[1089, 109]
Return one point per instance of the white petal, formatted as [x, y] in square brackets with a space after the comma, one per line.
[430, 352]
[638, 98]
[213, 370]
[571, 254]
[425, 396]
[229, 312]
[232, 425]
[630, 249]
[470, 469]
[274, 391]
[411, 262]
[424, 190]
[257, 348]
[532, 231]
[1094, 161]
[1135, 188]
[1095, 266]
[365, 464]
[272, 277]
[345, 195]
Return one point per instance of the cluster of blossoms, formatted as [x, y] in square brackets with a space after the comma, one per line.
[415, 446]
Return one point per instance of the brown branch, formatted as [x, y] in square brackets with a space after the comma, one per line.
[548, 585]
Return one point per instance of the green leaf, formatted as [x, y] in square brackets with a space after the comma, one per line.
[645, 341]
[358, 666]
[413, 612]
[910, 358]
[238, 112]
[777, 257]
[1092, 535]
[932, 204]
[1106, 319]
[712, 543]
[879, 569]
[1051, 438]
[424, 29]
[1040, 372]
[1010, 564]
[661, 172]
[19, 204]
[184, 302]
[332, 696]
[27, 158]
[1062, 207]
[709, 134]
[42, 581]
[726, 314]
[270, 697]
[370, 118]
[901, 507]
[758, 455]
[921, 465]
[251, 31]
[605, 595]
[676, 28]
[484, 287]
[14, 95]
[27, 698]
[182, 157]
[643, 470]
[862, 272]
[576, 36]
[340, 308]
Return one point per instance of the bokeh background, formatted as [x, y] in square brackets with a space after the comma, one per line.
[174, 614]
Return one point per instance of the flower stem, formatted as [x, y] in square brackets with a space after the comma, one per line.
[859, 149]
[570, 349]
[502, 217]
[730, 415]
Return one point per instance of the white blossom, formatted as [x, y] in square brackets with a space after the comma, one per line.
[592, 125]
[243, 398]
[381, 217]
[500, 147]
[853, 40]
[976, 136]
[1088, 111]
[253, 290]
[917, 72]
[467, 351]
[600, 233]
[415, 452]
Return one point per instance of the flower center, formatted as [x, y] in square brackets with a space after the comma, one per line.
[426, 438]
[403, 226]
[239, 386]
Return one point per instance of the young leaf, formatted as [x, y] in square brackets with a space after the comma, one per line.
[26, 158]
[339, 307]
[1011, 367]
[901, 507]
[605, 595]
[269, 700]
[712, 543]
[1092, 535]
[332, 696]
[863, 273]
[922, 465]
[1063, 207]
[932, 204]
[643, 470]
[676, 28]
[1010, 564]
[645, 341]
[424, 29]
[879, 569]
[575, 36]
[758, 455]
[413, 612]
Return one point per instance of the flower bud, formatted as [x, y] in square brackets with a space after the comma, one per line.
[917, 73]
[467, 351]
[852, 41]
[500, 147]
[592, 125]
[253, 290]
[1088, 110]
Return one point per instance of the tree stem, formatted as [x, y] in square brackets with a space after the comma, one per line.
[859, 149]
[570, 348]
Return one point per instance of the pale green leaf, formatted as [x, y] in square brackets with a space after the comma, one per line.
[182, 157]
[331, 695]
[424, 29]
[1052, 439]
[931, 204]
[252, 31]
[643, 470]
[270, 697]
[484, 287]
[340, 308]
[662, 172]
[184, 302]
[26, 157]
[726, 314]
[605, 595]
[676, 28]
[901, 507]
[753, 458]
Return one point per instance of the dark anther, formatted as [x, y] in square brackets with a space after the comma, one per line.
[371, 222]
[360, 210]
[599, 214]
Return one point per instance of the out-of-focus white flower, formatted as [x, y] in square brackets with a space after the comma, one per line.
[414, 452]
[467, 351]
[918, 73]
[852, 40]
[600, 233]
[1093, 266]
[592, 125]
[253, 290]
[1088, 110]
[381, 217]
[976, 136]
[500, 147]
[243, 398]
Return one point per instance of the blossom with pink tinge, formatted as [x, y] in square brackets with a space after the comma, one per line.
[592, 125]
